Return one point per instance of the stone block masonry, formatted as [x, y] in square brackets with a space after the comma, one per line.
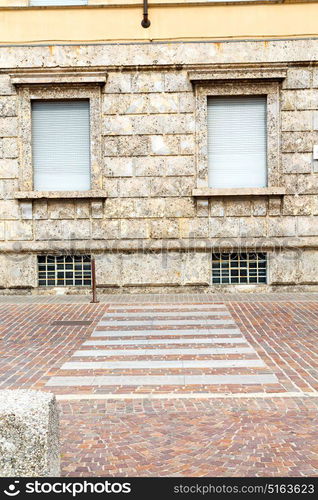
[29, 434]
[148, 230]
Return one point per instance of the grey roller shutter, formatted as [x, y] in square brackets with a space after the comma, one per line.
[61, 145]
[237, 142]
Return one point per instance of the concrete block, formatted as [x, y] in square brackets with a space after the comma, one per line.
[29, 434]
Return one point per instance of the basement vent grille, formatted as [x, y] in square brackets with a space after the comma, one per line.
[239, 268]
[64, 270]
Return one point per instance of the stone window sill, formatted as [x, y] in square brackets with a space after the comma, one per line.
[267, 191]
[42, 195]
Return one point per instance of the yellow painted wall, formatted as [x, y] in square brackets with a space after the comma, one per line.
[174, 22]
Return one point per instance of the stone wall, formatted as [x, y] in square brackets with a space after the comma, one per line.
[150, 231]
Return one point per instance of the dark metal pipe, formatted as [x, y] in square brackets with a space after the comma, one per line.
[145, 23]
[94, 300]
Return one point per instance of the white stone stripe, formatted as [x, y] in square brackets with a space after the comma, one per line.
[151, 364]
[190, 395]
[221, 340]
[161, 352]
[171, 322]
[176, 314]
[161, 333]
[167, 306]
[142, 380]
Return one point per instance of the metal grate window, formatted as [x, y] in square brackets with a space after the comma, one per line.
[239, 268]
[64, 270]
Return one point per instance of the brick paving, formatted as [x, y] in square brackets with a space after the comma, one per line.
[220, 430]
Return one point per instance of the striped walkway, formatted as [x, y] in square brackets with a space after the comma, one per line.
[165, 348]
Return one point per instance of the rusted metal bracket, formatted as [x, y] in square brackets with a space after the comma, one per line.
[145, 23]
[94, 300]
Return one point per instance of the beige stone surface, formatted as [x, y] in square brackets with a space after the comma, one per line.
[29, 434]
[150, 189]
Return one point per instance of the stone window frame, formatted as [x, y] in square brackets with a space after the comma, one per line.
[234, 88]
[29, 93]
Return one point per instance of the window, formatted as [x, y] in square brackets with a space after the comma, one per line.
[61, 145]
[237, 148]
[64, 270]
[239, 268]
[35, 3]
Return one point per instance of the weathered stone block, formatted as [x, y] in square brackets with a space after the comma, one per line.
[177, 82]
[217, 208]
[281, 226]
[171, 186]
[61, 209]
[297, 205]
[29, 434]
[253, 228]
[187, 145]
[18, 270]
[283, 267]
[164, 228]
[111, 187]
[161, 145]
[105, 229]
[194, 228]
[148, 82]
[118, 167]
[19, 230]
[97, 209]
[307, 226]
[224, 228]
[82, 209]
[296, 163]
[7, 188]
[8, 127]
[196, 268]
[163, 103]
[118, 82]
[315, 120]
[151, 268]
[274, 206]
[259, 207]
[108, 269]
[134, 229]
[134, 187]
[308, 266]
[157, 166]
[299, 142]
[202, 208]
[68, 230]
[137, 145]
[9, 209]
[26, 210]
[297, 120]
[8, 169]
[238, 207]
[2, 231]
[186, 102]
[40, 210]
[180, 207]
[8, 106]
[10, 147]
[300, 99]
[315, 78]
[298, 78]
[6, 87]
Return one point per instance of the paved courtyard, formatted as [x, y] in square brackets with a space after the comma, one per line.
[182, 385]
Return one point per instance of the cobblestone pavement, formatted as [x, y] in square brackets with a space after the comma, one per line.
[258, 417]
